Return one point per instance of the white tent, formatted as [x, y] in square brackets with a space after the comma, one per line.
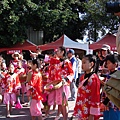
[65, 42]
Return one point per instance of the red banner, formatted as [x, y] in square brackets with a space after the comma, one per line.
[13, 51]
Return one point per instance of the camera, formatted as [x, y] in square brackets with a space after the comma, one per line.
[113, 7]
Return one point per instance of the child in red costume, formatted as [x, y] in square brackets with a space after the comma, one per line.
[21, 73]
[11, 85]
[88, 96]
[15, 60]
[61, 70]
[3, 72]
[35, 87]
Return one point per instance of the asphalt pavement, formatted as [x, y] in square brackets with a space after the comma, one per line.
[24, 113]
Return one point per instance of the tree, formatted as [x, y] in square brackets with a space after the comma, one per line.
[54, 17]
[98, 19]
[13, 14]
[59, 18]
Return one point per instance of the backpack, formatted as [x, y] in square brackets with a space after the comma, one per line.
[112, 88]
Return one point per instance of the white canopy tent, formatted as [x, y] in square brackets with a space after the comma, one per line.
[65, 42]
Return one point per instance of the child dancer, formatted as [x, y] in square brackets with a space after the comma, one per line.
[88, 96]
[3, 72]
[15, 60]
[50, 67]
[62, 69]
[28, 70]
[35, 87]
[21, 72]
[111, 112]
[44, 72]
[11, 85]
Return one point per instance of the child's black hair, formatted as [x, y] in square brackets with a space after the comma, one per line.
[64, 55]
[63, 49]
[112, 58]
[91, 58]
[35, 61]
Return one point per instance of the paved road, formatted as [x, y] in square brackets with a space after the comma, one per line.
[24, 114]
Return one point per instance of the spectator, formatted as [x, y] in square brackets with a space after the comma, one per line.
[71, 57]
[37, 54]
[104, 51]
[79, 64]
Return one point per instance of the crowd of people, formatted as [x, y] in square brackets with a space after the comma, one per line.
[30, 77]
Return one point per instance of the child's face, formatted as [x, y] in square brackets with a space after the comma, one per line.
[86, 65]
[11, 68]
[3, 65]
[59, 53]
[110, 65]
[33, 66]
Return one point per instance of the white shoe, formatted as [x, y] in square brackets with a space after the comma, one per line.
[8, 116]
[71, 99]
[57, 118]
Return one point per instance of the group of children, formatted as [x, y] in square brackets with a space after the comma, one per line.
[33, 78]
[11, 82]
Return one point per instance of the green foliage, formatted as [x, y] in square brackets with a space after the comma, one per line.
[12, 23]
[97, 18]
[51, 16]
[54, 17]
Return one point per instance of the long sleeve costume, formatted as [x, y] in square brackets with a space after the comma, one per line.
[88, 97]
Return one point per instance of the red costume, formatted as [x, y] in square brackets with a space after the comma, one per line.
[11, 83]
[20, 72]
[15, 63]
[88, 98]
[59, 69]
[36, 85]
[2, 79]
